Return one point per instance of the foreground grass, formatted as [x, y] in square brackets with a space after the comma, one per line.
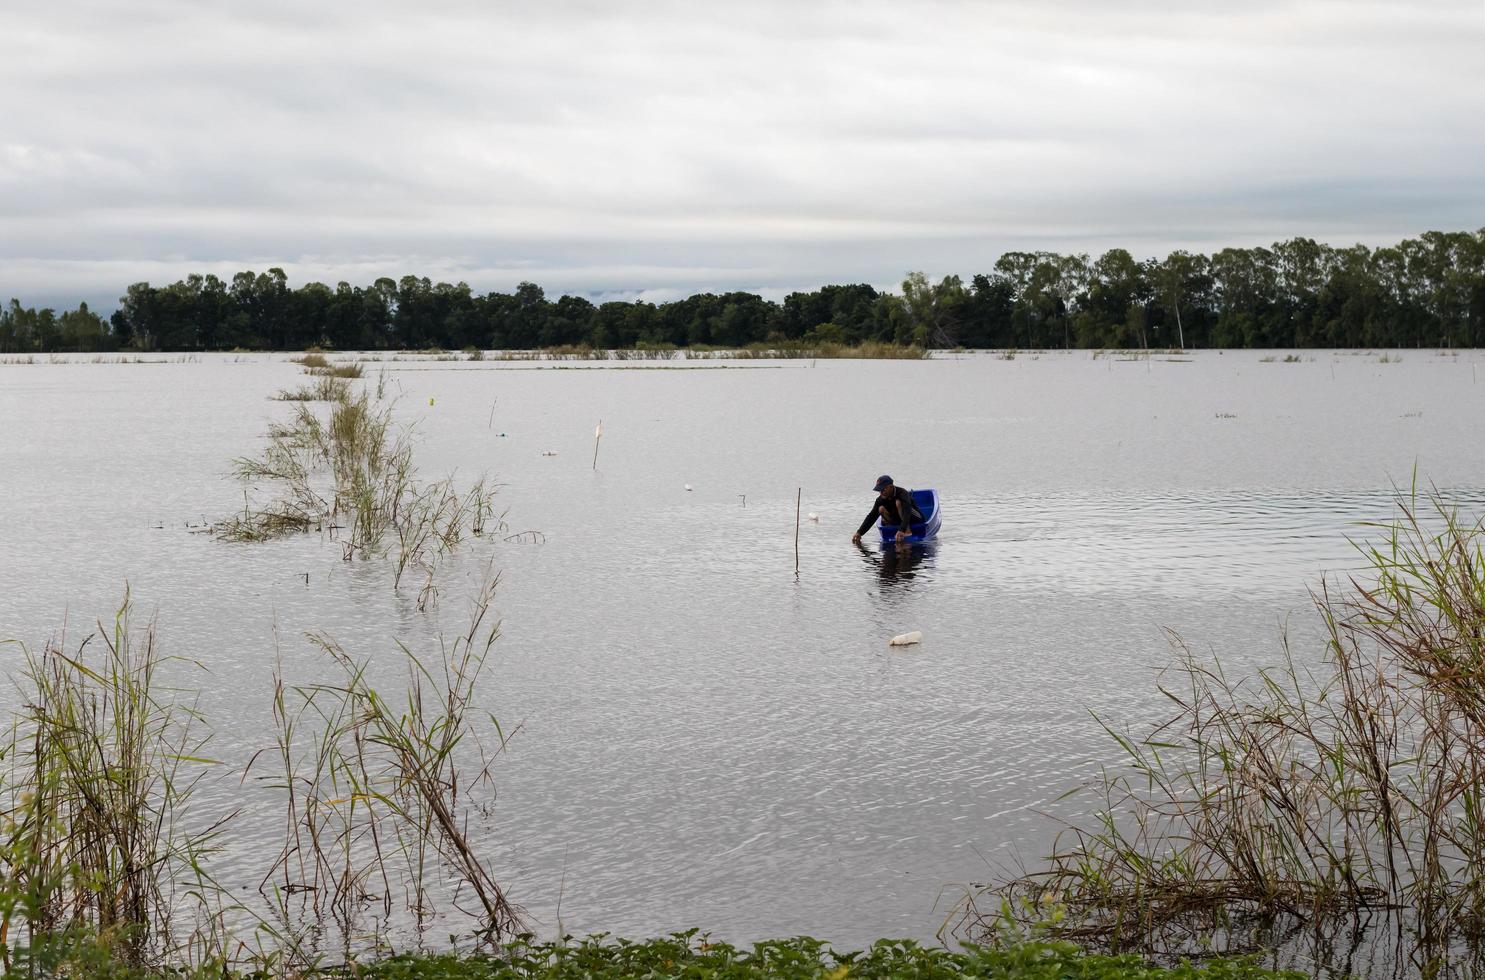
[689, 955]
[683, 955]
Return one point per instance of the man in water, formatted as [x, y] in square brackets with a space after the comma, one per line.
[893, 505]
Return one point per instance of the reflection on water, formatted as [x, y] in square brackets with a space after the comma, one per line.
[708, 740]
[898, 564]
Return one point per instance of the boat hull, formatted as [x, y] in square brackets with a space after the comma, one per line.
[925, 530]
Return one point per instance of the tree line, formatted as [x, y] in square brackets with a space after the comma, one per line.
[1423, 292]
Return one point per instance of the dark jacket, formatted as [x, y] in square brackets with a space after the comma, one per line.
[901, 502]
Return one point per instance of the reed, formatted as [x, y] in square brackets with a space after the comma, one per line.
[348, 369]
[377, 795]
[1317, 790]
[354, 474]
[807, 348]
[645, 353]
[102, 762]
[871, 350]
[105, 860]
[312, 359]
[324, 389]
[577, 352]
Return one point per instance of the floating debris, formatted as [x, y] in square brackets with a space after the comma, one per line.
[906, 639]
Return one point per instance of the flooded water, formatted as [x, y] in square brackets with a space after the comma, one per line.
[706, 738]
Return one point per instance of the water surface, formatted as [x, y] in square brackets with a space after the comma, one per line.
[706, 738]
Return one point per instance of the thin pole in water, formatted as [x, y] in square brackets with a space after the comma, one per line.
[597, 436]
[798, 496]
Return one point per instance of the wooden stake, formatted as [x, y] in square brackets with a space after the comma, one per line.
[798, 496]
[597, 435]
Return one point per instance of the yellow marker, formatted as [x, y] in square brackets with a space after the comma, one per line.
[430, 403]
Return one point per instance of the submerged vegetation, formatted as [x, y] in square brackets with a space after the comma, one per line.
[1307, 793]
[353, 477]
[375, 795]
[350, 370]
[324, 389]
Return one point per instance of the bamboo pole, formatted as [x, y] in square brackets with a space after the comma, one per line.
[798, 496]
[597, 436]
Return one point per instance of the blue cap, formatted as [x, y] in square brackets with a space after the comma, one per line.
[882, 481]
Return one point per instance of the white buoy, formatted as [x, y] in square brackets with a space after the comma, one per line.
[906, 639]
[815, 518]
[688, 486]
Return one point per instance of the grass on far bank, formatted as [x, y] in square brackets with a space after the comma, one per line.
[781, 349]
[873, 350]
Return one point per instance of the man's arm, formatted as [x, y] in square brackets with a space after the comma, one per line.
[871, 518]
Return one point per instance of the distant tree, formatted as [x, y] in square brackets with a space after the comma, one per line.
[1116, 297]
[568, 322]
[988, 317]
[1428, 290]
[83, 330]
[934, 311]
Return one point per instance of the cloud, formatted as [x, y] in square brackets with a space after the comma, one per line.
[676, 146]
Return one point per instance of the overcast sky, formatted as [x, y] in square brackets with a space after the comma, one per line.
[666, 148]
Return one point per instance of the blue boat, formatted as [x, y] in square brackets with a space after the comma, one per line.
[925, 530]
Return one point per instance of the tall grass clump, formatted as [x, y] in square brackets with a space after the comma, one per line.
[576, 352]
[349, 369]
[105, 859]
[354, 474]
[100, 765]
[1324, 788]
[377, 793]
[324, 389]
[810, 347]
[874, 350]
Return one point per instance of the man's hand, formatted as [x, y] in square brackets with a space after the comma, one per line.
[902, 535]
[855, 539]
